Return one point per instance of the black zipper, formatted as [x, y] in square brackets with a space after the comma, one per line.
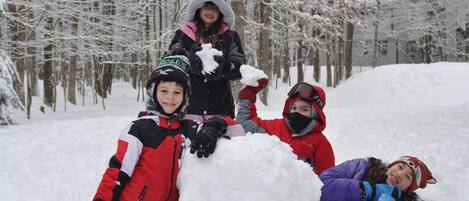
[142, 193]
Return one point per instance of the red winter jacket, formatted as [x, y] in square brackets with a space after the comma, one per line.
[312, 147]
[145, 166]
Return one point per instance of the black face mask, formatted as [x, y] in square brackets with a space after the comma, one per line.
[297, 121]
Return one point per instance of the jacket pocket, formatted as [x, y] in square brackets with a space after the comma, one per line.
[141, 196]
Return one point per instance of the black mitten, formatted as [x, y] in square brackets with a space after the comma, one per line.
[195, 61]
[176, 49]
[205, 140]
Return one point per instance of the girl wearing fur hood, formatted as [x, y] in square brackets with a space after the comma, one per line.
[210, 22]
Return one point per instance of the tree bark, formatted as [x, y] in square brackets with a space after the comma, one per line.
[328, 59]
[265, 45]
[72, 71]
[374, 62]
[348, 50]
[18, 37]
[285, 52]
[240, 9]
[47, 74]
[317, 66]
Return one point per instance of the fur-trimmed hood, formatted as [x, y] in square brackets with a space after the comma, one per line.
[223, 5]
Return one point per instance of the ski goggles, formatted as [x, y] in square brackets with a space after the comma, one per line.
[306, 92]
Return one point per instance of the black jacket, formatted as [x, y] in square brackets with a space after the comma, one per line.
[211, 95]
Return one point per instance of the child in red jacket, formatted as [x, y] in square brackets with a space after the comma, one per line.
[301, 126]
[146, 163]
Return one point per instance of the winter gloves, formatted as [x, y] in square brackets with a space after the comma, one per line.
[250, 92]
[205, 141]
[379, 192]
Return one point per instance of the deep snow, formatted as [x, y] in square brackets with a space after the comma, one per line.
[387, 112]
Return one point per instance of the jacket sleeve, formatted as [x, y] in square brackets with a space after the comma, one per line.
[234, 128]
[323, 155]
[121, 165]
[235, 58]
[342, 182]
[247, 117]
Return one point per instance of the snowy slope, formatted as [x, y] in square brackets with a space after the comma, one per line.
[420, 110]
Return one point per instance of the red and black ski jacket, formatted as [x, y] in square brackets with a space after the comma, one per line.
[145, 165]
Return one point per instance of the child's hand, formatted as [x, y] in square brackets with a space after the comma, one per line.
[251, 75]
[380, 192]
[250, 92]
[207, 55]
[206, 138]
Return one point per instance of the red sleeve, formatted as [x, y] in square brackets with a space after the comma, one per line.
[121, 164]
[323, 156]
[247, 117]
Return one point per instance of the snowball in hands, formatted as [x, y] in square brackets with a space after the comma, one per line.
[206, 55]
[250, 75]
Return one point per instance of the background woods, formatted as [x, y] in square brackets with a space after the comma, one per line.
[82, 47]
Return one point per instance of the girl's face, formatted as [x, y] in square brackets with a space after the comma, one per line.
[400, 176]
[169, 95]
[209, 14]
[302, 107]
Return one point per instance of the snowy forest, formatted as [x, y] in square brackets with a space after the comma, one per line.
[83, 47]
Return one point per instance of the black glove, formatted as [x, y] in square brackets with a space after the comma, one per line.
[195, 62]
[176, 49]
[206, 139]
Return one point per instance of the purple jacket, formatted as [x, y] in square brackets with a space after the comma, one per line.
[342, 182]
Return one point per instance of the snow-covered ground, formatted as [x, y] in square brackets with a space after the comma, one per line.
[420, 110]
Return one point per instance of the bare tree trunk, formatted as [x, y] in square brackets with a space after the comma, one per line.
[374, 63]
[18, 52]
[467, 41]
[109, 10]
[286, 61]
[134, 71]
[340, 64]
[317, 67]
[160, 17]
[427, 48]
[277, 67]
[348, 50]
[97, 79]
[459, 44]
[63, 75]
[240, 9]
[328, 60]
[335, 61]
[87, 75]
[106, 79]
[286, 52]
[47, 74]
[316, 63]
[29, 92]
[73, 66]
[265, 45]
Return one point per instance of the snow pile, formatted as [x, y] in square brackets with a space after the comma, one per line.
[250, 75]
[207, 56]
[62, 155]
[412, 84]
[252, 167]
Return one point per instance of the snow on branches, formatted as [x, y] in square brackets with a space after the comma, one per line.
[9, 101]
